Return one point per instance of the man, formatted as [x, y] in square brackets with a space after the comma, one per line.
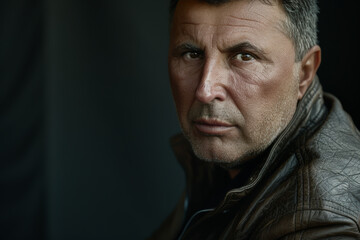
[267, 155]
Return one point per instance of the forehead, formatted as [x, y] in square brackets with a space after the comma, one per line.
[193, 16]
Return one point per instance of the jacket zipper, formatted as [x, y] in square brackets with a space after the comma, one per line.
[192, 218]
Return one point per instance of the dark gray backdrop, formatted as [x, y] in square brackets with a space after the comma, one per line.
[86, 114]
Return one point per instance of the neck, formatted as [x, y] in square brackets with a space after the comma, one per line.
[233, 173]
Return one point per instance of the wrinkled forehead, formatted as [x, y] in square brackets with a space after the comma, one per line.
[196, 19]
[228, 13]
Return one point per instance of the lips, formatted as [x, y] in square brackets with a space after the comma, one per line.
[212, 126]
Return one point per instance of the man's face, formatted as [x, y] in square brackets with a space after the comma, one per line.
[233, 76]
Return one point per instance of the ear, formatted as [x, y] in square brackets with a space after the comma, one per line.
[309, 65]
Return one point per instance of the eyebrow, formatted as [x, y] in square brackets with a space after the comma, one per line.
[245, 46]
[240, 47]
[187, 47]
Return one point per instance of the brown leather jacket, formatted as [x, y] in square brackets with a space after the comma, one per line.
[306, 187]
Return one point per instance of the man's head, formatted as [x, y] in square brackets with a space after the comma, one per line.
[300, 24]
[237, 69]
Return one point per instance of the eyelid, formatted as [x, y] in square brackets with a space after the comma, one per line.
[199, 53]
[253, 55]
[187, 56]
[246, 48]
[187, 49]
[184, 48]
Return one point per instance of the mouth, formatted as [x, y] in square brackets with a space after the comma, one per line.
[213, 127]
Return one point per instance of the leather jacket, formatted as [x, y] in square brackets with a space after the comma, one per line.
[307, 186]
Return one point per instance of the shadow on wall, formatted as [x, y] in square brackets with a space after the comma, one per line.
[339, 42]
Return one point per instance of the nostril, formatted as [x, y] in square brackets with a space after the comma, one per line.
[206, 93]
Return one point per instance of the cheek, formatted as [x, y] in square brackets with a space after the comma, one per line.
[262, 91]
[282, 85]
[183, 85]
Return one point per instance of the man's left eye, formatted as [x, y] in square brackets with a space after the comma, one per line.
[245, 57]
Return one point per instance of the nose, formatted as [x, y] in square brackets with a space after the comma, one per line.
[212, 84]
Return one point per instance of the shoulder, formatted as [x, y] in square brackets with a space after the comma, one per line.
[337, 134]
[322, 194]
[331, 164]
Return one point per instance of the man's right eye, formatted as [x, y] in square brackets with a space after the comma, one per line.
[192, 55]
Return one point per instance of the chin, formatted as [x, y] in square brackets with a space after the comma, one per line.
[228, 160]
[228, 154]
[218, 152]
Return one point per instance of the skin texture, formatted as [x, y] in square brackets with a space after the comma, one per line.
[234, 78]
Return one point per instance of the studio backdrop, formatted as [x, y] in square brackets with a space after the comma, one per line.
[86, 114]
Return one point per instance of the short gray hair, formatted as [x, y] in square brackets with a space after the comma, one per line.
[300, 25]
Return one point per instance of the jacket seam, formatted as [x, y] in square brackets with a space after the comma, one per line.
[295, 230]
[339, 208]
[301, 175]
[302, 157]
[344, 215]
